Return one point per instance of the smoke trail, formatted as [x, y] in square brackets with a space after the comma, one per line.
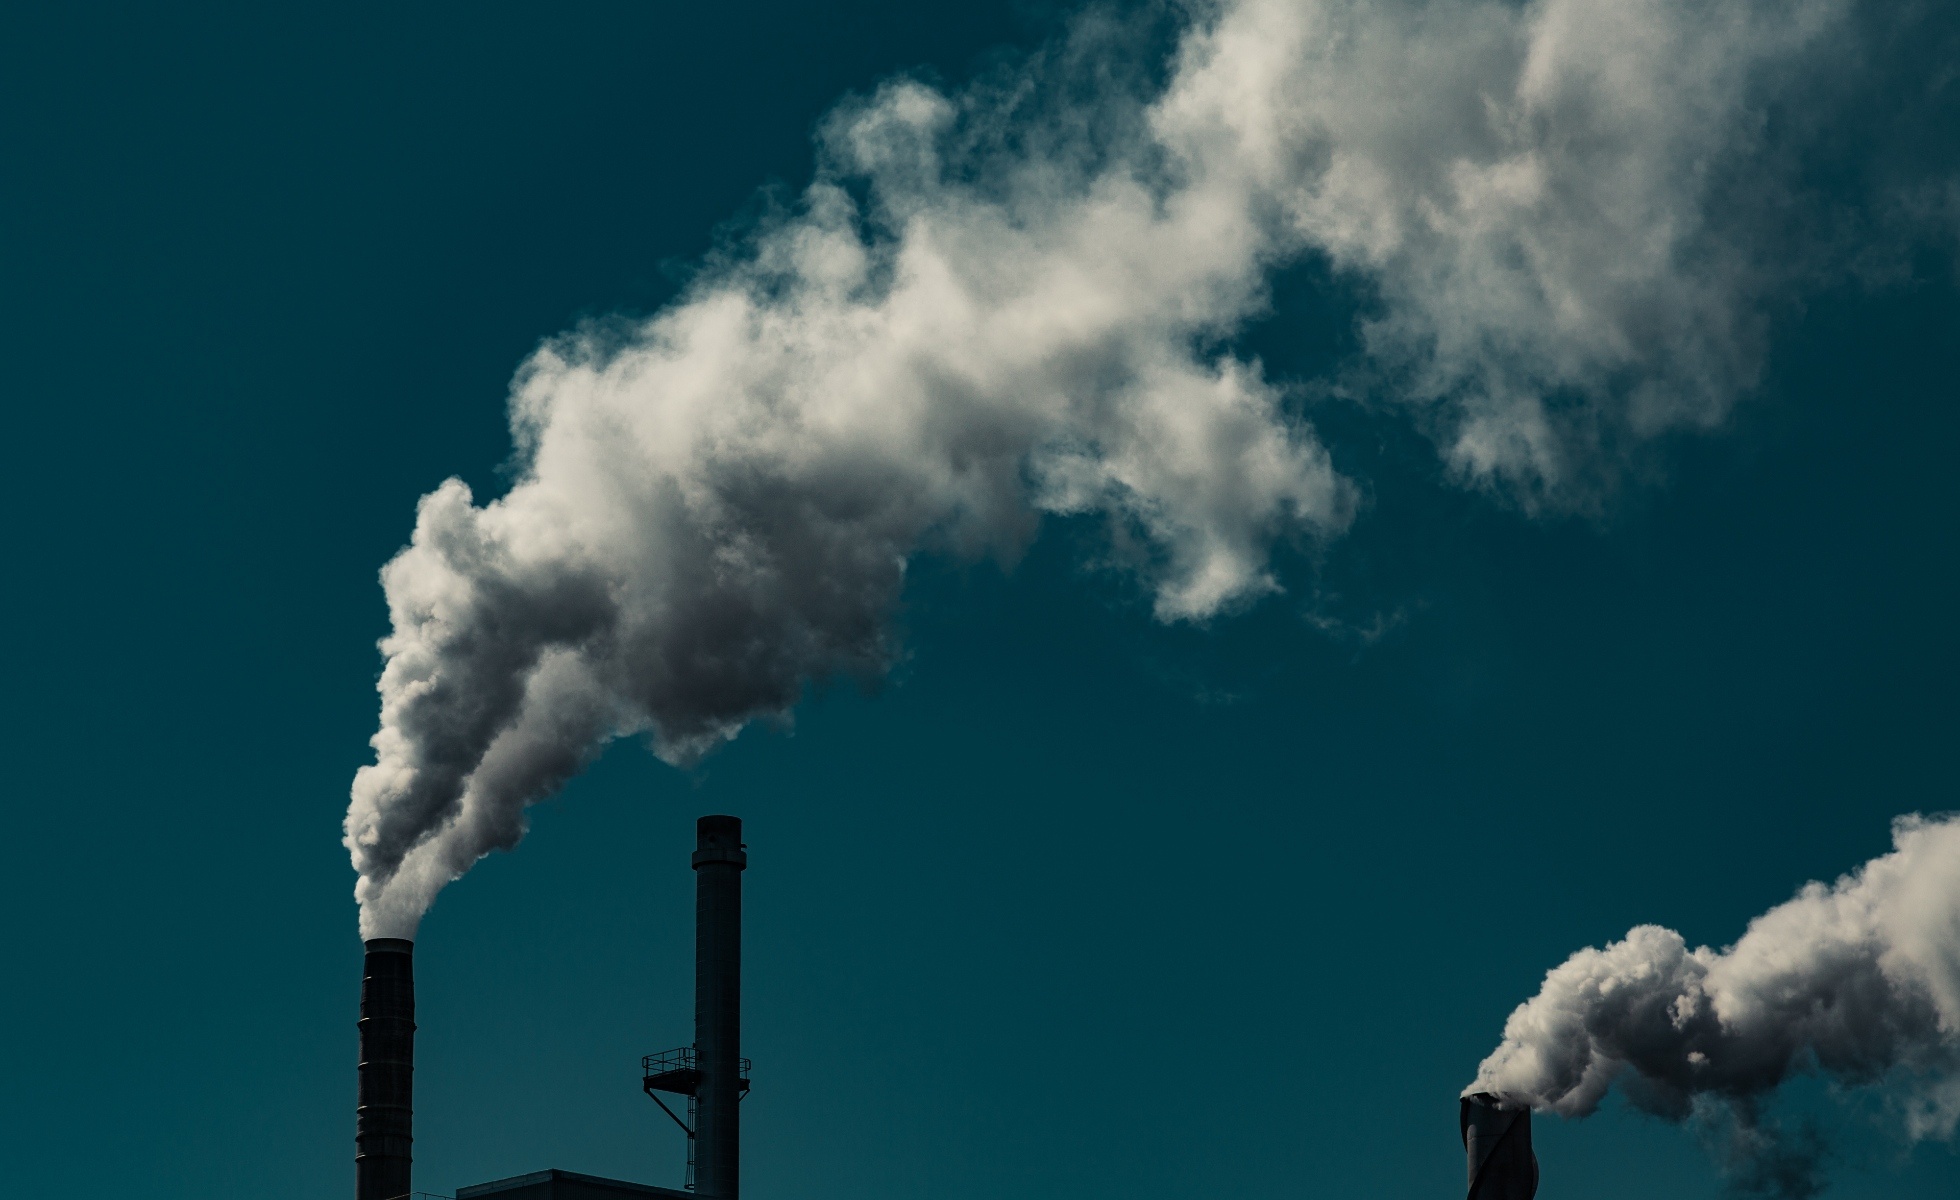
[1859, 980]
[1011, 301]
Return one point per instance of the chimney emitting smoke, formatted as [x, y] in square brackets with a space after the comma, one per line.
[384, 1128]
[1855, 980]
[1497, 1149]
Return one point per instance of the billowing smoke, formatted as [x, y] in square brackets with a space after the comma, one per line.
[1859, 980]
[1020, 299]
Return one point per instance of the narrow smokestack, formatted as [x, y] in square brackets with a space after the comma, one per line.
[1497, 1149]
[719, 859]
[383, 1134]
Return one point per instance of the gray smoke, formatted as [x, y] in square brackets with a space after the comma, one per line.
[1859, 980]
[1011, 301]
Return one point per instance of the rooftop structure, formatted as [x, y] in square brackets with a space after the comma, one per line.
[567, 1185]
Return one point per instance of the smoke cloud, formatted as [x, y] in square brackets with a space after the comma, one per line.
[1021, 298]
[1859, 980]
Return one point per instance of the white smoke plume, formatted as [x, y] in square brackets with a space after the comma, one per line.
[1859, 980]
[1021, 298]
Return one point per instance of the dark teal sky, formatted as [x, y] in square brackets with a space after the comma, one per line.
[1077, 904]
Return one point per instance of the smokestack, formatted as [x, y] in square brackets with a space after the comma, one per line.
[719, 860]
[1497, 1149]
[383, 1134]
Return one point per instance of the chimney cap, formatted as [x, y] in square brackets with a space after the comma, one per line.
[718, 839]
[389, 946]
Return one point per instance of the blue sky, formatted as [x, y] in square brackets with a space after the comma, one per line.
[1073, 902]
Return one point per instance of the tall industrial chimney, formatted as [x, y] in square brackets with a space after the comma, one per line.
[1497, 1147]
[719, 859]
[383, 1132]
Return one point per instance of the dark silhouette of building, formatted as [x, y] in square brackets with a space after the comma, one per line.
[567, 1185]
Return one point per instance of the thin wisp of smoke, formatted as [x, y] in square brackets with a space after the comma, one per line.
[1858, 980]
[979, 313]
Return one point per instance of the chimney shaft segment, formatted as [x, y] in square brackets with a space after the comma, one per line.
[719, 859]
[383, 1133]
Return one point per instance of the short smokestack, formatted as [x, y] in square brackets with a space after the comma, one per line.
[384, 1121]
[719, 859]
[1497, 1149]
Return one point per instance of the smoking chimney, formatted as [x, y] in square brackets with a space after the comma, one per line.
[1497, 1148]
[383, 1133]
[719, 859]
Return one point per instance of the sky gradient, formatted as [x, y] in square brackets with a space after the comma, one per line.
[1076, 903]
